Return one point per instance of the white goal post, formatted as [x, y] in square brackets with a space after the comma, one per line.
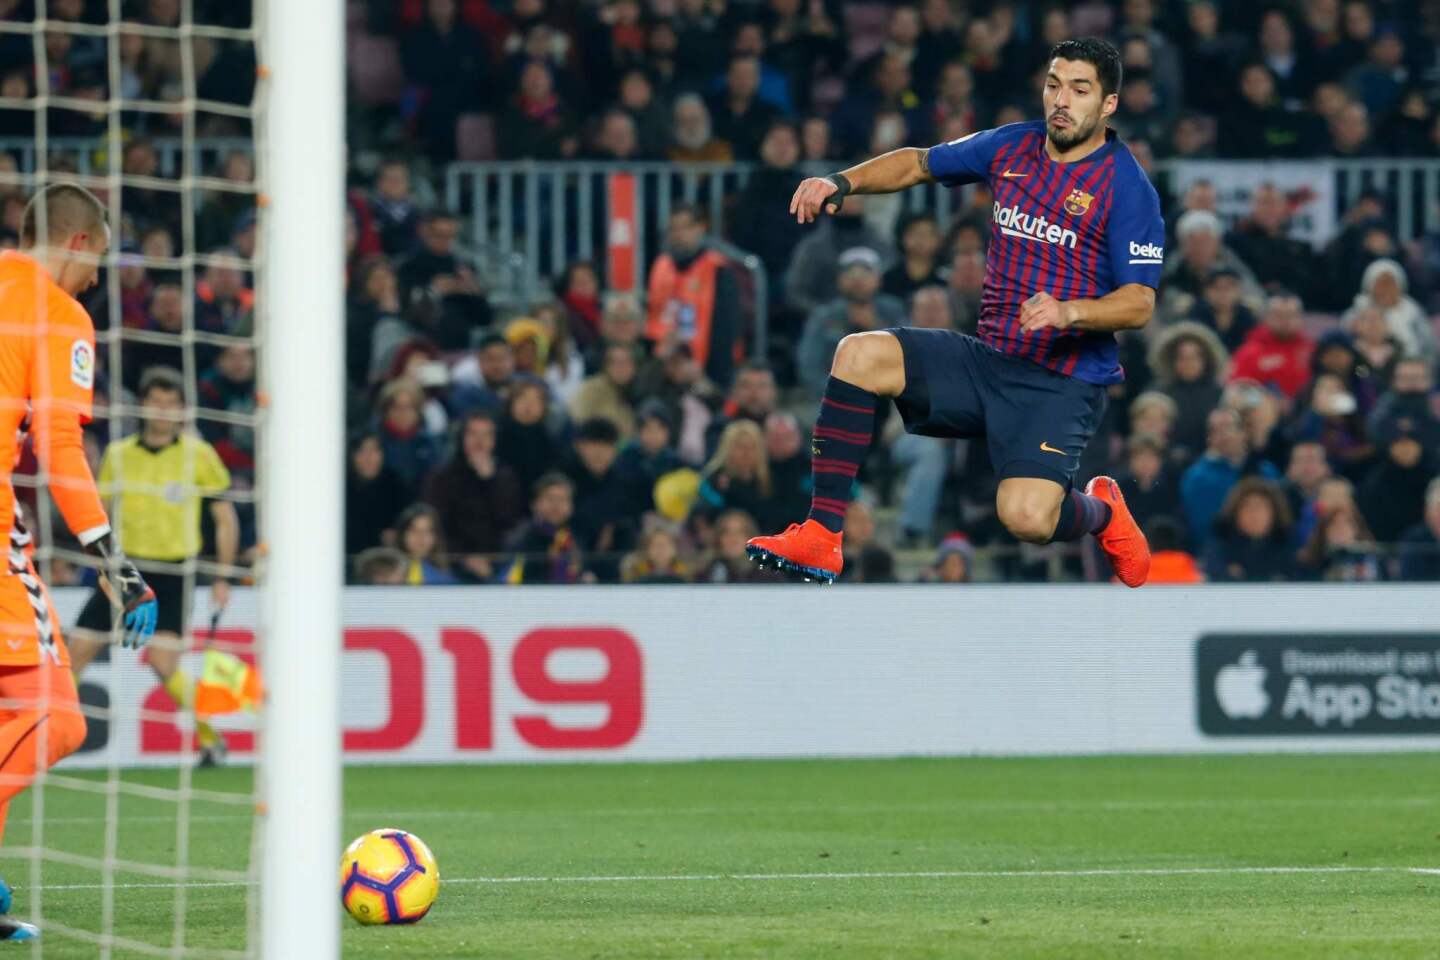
[301, 157]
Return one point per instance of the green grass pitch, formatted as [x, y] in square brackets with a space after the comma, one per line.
[1276, 856]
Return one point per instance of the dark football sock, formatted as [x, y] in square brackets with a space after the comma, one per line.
[838, 447]
[1080, 514]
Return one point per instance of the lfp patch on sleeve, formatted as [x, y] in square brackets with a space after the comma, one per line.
[82, 364]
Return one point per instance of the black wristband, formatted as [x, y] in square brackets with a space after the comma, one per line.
[842, 183]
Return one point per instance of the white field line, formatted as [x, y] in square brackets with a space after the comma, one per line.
[832, 875]
[783, 809]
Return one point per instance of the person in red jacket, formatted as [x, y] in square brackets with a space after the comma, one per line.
[1276, 353]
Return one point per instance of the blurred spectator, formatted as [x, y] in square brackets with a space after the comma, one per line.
[1307, 470]
[762, 222]
[860, 307]
[639, 101]
[1409, 396]
[1329, 415]
[530, 346]
[1420, 546]
[221, 210]
[418, 534]
[410, 449]
[602, 521]
[1153, 414]
[167, 316]
[967, 287]
[657, 559]
[753, 396]
[1210, 52]
[647, 457]
[1263, 242]
[397, 217]
[692, 400]
[545, 549]
[1341, 548]
[693, 136]
[1260, 412]
[1209, 481]
[616, 138]
[738, 476]
[524, 440]
[478, 499]
[789, 457]
[956, 109]
[1151, 490]
[1379, 81]
[814, 268]
[482, 380]
[1142, 117]
[1378, 347]
[739, 115]
[434, 271]
[1220, 309]
[380, 566]
[694, 297]
[1170, 562]
[228, 388]
[954, 561]
[1350, 132]
[1277, 353]
[1287, 61]
[1256, 124]
[816, 144]
[726, 561]
[1201, 253]
[579, 290]
[884, 87]
[1383, 287]
[374, 494]
[931, 308]
[918, 237]
[801, 38]
[447, 61]
[622, 322]
[536, 124]
[610, 394]
[1335, 353]
[1392, 496]
[1189, 365]
[1251, 539]
[374, 328]
[222, 300]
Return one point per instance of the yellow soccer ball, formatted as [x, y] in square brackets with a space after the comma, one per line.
[388, 876]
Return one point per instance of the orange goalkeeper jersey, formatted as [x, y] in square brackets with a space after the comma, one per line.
[47, 373]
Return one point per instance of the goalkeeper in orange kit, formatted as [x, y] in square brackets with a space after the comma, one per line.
[47, 374]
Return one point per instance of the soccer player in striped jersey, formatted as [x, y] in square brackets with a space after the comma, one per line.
[1076, 247]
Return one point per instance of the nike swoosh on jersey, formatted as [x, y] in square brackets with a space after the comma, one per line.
[1009, 175]
[1049, 449]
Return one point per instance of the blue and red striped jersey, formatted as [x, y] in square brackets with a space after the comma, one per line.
[1075, 230]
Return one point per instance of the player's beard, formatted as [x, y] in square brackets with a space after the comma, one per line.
[1077, 133]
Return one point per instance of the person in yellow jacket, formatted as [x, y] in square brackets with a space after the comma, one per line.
[155, 481]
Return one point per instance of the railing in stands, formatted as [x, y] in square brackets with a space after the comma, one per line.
[527, 219]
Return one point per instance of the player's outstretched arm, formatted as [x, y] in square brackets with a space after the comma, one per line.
[887, 173]
[1128, 308]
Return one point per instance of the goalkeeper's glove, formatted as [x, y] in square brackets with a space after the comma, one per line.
[129, 590]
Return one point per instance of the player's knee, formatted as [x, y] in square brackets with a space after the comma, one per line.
[1028, 518]
[871, 361]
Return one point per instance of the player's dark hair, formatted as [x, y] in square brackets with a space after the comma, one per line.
[492, 339]
[68, 209]
[1101, 54]
[161, 378]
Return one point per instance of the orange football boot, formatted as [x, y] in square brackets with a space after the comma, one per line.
[1122, 541]
[806, 550]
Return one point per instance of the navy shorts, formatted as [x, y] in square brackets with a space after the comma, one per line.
[1036, 422]
[98, 613]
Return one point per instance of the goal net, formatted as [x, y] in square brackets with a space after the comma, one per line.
[153, 839]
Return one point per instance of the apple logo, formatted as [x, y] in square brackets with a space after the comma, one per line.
[1240, 688]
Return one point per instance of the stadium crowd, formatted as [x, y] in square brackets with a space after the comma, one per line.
[1279, 420]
